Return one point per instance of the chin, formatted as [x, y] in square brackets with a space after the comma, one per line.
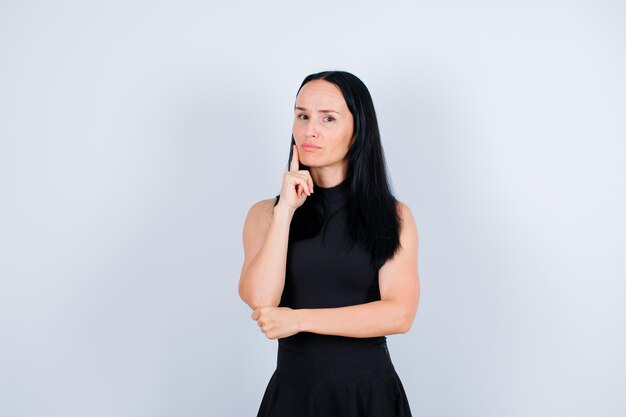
[310, 163]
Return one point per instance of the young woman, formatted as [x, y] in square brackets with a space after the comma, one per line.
[330, 263]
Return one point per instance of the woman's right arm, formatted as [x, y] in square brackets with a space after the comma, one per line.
[265, 239]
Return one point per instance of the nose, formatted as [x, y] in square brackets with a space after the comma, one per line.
[311, 129]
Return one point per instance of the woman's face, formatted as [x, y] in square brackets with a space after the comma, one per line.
[323, 121]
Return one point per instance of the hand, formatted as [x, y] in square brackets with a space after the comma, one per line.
[297, 184]
[277, 322]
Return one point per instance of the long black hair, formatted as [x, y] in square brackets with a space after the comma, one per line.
[374, 216]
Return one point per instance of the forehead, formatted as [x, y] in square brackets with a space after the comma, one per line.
[322, 94]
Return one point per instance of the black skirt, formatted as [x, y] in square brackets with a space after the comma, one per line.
[358, 383]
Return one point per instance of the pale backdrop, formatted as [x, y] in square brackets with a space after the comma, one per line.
[135, 135]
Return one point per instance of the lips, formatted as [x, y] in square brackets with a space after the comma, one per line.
[310, 146]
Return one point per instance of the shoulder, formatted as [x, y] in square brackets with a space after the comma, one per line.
[407, 221]
[263, 205]
[261, 211]
[256, 225]
[403, 210]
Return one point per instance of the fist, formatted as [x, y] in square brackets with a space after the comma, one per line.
[277, 322]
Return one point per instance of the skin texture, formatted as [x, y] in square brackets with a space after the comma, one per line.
[331, 130]
[398, 277]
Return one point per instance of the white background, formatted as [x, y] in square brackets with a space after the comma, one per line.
[134, 137]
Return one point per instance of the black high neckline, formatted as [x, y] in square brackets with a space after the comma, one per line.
[334, 193]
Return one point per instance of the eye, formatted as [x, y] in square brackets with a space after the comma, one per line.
[299, 116]
[329, 117]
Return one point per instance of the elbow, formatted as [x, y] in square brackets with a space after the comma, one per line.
[256, 302]
[253, 297]
[406, 326]
[406, 323]
[408, 315]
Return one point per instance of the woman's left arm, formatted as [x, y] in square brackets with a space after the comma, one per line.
[398, 281]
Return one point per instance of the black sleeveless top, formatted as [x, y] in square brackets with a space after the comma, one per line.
[322, 272]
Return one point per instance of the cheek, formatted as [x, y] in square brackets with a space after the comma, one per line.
[296, 129]
[346, 138]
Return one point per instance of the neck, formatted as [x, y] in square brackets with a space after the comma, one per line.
[328, 178]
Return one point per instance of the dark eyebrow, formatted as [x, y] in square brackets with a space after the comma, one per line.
[321, 111]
